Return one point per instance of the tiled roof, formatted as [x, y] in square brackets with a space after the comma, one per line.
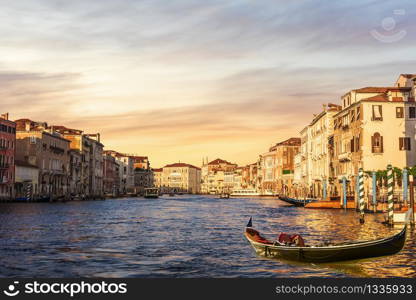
[219, 161]
[181, 165]
[289, 142]
[381, 89]
[378, 98]
[157, 170]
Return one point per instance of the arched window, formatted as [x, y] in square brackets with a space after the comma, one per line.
[377, 143]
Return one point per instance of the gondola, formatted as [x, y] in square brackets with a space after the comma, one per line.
[296, 202]
[327, 253]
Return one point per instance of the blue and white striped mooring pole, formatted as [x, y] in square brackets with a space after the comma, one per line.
[344, 191]
[361, 194]
[390, 194]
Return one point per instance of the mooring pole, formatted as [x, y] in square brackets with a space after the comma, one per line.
[344, 191]
[405, 186]
[357, 193]
[412, 200]
[324, 190]
[374, 178]
[361, 194]
[390, 209]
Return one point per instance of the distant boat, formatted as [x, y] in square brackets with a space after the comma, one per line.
[224, 196]
[328, 253]
[244, 193]
[171, 194]
[296, 202]
[151, 193]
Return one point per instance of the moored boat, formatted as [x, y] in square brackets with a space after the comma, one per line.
[224, 196]
[328, 253]
[245, 193]
[296, 202]
[151, 193]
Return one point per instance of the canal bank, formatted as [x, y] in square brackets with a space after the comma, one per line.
[181, 236]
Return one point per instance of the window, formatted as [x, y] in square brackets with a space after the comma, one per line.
[377, 143]
[352, 145]
[377, 113]
[404, 144]
[399, 112]
[412, 112]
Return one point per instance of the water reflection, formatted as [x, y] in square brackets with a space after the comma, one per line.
[180, 236]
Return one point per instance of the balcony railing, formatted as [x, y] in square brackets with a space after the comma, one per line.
[4, 166]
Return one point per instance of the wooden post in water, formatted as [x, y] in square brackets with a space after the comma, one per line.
[412, 200]
[390, 209]
[361, 194]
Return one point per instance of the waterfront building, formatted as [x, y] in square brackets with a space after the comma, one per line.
[7, 157]
[181, 177]
[312, 168]
[277, 167]
[126, 171]
[26, 181]
[91, 149]
[111, 181]
[157, 177]
[75, 173]
[375, 127]
[217, 176]
[49, 152]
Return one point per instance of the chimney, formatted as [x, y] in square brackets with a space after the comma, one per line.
[98, 137]
[5, 116]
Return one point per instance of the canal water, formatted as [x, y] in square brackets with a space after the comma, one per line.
[181, 236]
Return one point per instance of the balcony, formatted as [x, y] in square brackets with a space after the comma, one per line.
[3, 148]
[344, 157]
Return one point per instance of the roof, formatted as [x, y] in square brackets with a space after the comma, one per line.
[65, 130]
[289, 142]
[219, 161]
[408, 76]
[380, 90]
[378, 98]
[157, 170]
[181, 165]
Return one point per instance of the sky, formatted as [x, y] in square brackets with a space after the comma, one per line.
[182, 80]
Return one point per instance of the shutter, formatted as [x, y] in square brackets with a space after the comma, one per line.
[381, 111]
[381, 144]
[372, 143]
[352, 145]
[401, 142]
[408, 144]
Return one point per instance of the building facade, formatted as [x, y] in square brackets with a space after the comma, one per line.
[181, 177]
[217, 176]
[49, 152]
[7, 157]
[375, 127]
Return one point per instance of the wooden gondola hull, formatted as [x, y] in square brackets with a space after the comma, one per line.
[296, 202]
[361, 250]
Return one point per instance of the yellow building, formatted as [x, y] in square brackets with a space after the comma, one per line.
[375, 127]
[181, 177]
[218, 176]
